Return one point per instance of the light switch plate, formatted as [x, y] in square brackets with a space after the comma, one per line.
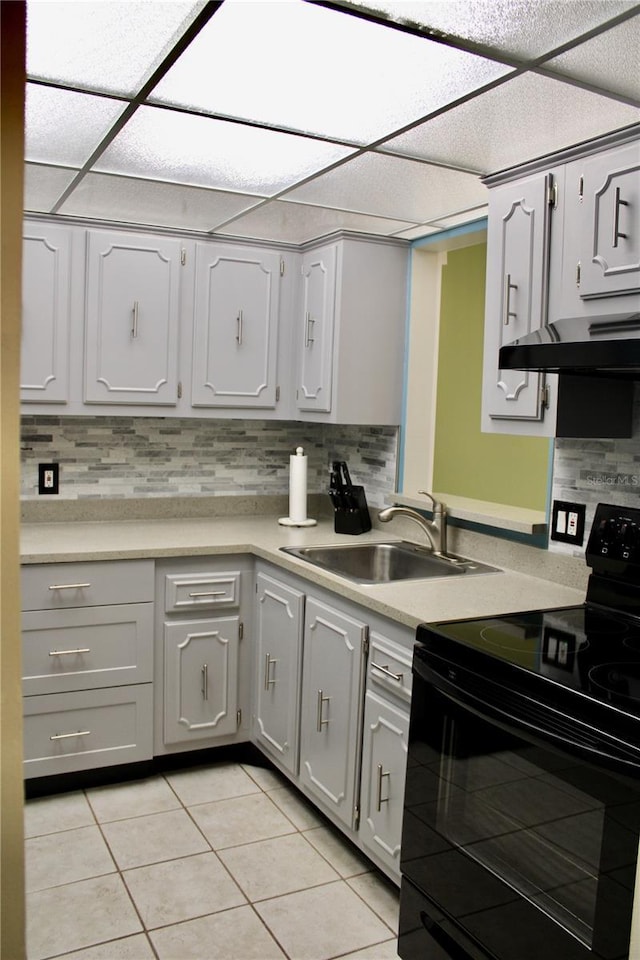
[567, 522]
[48, 478]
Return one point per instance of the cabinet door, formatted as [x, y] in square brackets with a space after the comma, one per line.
[236, 327]
[132, 318]
[200, 679]
[603, 223]
[331, 707]
[517, 284]
[384, 762]
[46, 305]
[317, 330]
[278, 631]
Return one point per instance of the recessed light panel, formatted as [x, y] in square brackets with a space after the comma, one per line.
[523, 29]
[104, 197]
[298, 223]
[392, 187]
[160, 144]
[65, 127]
[303, 67]
[518, 121]
[111, 47]
[43, 186]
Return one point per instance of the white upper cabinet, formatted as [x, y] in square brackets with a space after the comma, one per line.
[517, 288]
[132, 318]
[46, 314]
[235, 326]
[603, 224]
[317, 317]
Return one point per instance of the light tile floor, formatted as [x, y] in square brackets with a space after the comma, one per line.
[223, 862]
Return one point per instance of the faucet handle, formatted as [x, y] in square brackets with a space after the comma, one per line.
[438, 507]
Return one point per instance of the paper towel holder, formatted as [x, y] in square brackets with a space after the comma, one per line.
[297, 493]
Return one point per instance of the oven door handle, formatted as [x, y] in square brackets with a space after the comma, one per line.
[508, 722]
[444, 939]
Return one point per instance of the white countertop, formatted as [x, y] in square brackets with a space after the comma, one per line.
[407, 602]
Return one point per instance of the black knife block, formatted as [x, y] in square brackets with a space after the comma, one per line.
[353, 519]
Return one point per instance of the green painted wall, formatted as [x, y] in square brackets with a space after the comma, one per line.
[468, 463]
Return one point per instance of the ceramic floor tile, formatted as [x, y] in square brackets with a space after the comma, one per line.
[130, 948]
[265, 777]
[322, 922]
[301, 812]
[233, 935]
[341, 854]
[228, 823]
[274, 867]
[380, 895]
[66, 857]
[381, 951]
[51, 814]
[78, 915]
[160, 836]
[177, 890]
[134, 799]
[216, 782]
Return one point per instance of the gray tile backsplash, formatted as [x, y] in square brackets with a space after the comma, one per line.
[597, 471]
[129, 457]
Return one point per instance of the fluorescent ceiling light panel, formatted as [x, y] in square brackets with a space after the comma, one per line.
[111, 47]
[523, 29]
[611, 60]
[297, 223]
[64, 127]
[393, 187]
[525, 118]
[161, 144]
[303, 67]
[43, 186]
[105, 197]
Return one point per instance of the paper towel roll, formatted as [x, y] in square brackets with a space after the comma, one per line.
[298, 486]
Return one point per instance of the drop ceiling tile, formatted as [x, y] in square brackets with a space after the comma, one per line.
[385, 186]
[298, 223]
[303, 67]
[160, 144]
[461, 219]
[105, 197]
[43, 186]
[518, 121]
[109, 47]
[523, 29]
[610, 61]
[416, 233]
[64, 127]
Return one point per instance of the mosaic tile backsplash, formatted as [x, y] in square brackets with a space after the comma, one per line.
[597, 471]
[108, 457]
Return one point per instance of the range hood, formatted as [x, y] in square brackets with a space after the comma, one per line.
[596, 346]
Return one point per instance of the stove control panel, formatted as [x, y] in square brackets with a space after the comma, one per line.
[615, 537]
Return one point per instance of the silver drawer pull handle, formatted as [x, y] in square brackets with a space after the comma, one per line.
[239, 320]
[205, 681]
[69, 586]
[208, 593]
[320, 723]
[65, 653]
[617, 203]
[385, 669]
[134, 320]
[65, 736]
[268, 681]
[508, 287]
[380, 799]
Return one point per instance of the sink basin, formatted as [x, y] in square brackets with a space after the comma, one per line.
[387, 562]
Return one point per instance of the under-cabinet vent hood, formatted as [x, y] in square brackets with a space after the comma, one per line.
[607, 346]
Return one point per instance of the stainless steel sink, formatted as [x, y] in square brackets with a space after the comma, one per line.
[387, 562]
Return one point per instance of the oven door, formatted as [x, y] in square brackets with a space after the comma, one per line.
[520, 830]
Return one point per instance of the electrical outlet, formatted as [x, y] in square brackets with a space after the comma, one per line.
[567, 522]
[48, 478]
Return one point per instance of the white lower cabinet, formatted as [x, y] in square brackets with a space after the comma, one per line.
[279, 616]
[87, 636]
[330, 716]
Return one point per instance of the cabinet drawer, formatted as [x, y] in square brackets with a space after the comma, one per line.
[81, 649]
[197, 590]
[91, 728]
[59, 585]
[389, 668]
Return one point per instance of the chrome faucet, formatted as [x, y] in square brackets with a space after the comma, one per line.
[435, 530]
